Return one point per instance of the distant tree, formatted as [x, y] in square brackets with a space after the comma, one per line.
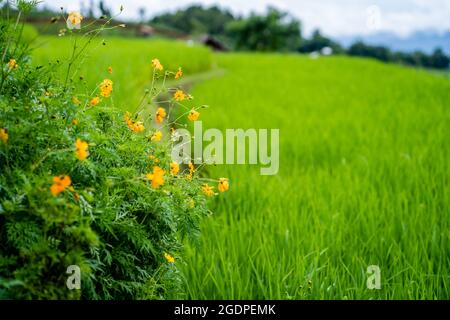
[378, 52]
[196, 20]
[317, 42]
[418, 58]
[439, 60]
[275, 31]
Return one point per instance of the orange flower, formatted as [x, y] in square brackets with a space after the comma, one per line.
[95, 101]
[169, 258]
[75, 122]
[223, 185]
[74, 20]
[157, 64]
[106, 87]
[160, 115]
[179, 95]
[156, 136]
[60, 184]
[136, 126]
[4, 135]
[174, 168]
[193, 115]
[191, 171]
[153, 158]
[81, 149]
[157, 177]
[12, 64]
[208, 190]
[179, 73]
[128, 120]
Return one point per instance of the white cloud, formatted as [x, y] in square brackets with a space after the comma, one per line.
[334, 18]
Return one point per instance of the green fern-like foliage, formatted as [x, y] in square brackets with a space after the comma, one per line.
[110, 222]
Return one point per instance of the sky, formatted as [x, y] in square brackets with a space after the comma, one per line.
[335, 18]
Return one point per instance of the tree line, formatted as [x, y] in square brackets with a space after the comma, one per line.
[279, 31]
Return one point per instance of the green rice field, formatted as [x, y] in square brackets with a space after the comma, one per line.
[364, 173]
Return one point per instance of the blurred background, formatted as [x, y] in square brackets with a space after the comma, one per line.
[412, 32]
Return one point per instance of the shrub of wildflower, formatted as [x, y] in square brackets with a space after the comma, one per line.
[85, 184]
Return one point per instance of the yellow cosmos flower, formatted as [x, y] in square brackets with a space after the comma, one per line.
[174, 168]
[157, 177]
[179, 95]
[74, 20]
[169, 258]
[157, 64]
[191, 171]
[160, 115]
[128, 119]
[60, 184]
[157, 136]
[12, 64]
[4, 135]
[153, 158]
[179, 73]
[106, 87]
[193, 115]
[136, 126]
[110, 70]
[81, 149]
[223, 185]
[95, 101]
[75, 122]
[208, 190]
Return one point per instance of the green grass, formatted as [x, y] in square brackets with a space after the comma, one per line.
[364, 180]
[130, 59]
